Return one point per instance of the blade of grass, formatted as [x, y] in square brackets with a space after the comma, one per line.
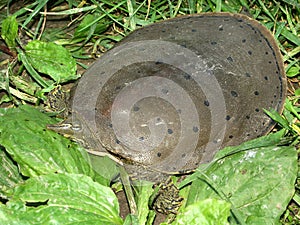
[290, 36]
[131, 13]
[265, 9]
[37, 9]
[218, 5]
[191, 5]
[107, 13]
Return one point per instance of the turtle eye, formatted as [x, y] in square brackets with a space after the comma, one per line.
[76, 127]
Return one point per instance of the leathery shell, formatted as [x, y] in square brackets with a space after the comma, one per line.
[171, 94]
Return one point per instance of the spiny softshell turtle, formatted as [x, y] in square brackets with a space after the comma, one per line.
[171, 94]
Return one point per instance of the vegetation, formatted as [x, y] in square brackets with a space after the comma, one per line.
[48, 179]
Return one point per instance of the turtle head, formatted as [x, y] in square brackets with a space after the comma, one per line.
[68, 127]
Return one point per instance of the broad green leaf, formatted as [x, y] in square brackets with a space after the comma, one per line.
[9, 31]
[36, 149]
[293, 71]
[51, 59]
[9, 174]
[206, 212]
[259, 182]
[61, 199]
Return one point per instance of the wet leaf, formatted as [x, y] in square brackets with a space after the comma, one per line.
[51, 59]
[259, 182]
[9, 173]
[61, 199]
[206, 212]
[9, 31]
[36, 149]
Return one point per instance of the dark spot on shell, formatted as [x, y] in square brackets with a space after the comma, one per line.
[247, 117]
[195, 129]
[230, 136]
[170, 131]
[158, 62]
[117, 141]
[221, 28]
[183, 45]
[260, 39]
[206, 103]
[275, 96]
[244, 40]
[247, 135]
[249, 52]
[179, 111]
[267, 53]
[234, 94]
[213, 43]
[194, 30]
[138, 71]
[136, 108]
[118, 88]
[110, 125]
[165, 91]
[230, 59]
[227, 117]
[141, 138]
[248, 74]
[256, 110]
[256, 92]
[266, 78]
[163, 31]
[158, 119]
[241, 26]
[270, 62]
[158, 154]
[187, 76]
[183, 155]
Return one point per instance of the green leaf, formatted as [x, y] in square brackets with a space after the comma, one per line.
[51, 59]
[259, 182]
[145, 190]
[9, 174]
[9, 31]
[206, 212]
[293, 71]
[61, 199]
[36, 149]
